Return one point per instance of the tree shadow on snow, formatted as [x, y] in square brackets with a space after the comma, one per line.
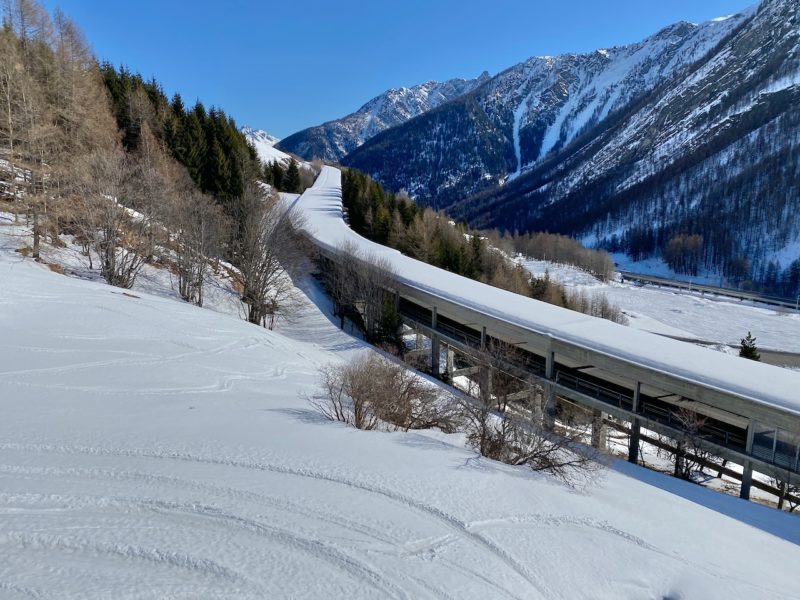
[303, 415]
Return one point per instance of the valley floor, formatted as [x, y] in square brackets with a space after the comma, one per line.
[152, 449]
[714, 320]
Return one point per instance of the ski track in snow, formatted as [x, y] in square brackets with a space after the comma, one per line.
[150, 449]
[461, 530]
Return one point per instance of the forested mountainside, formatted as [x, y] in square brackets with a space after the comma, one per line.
[683, 146]
[333, 140]
[218, 157]
[100, 156]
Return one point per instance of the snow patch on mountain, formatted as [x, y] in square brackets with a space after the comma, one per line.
[264, 144]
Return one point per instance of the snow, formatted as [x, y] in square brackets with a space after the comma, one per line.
[264, 144]
[761, 383]
[519, 112]
[626, 72]
[684, 314]
[152, 449]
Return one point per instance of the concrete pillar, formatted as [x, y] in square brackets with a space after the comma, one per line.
[483, 338]
[747, 480]
[435, 351]
[747, 467]
[599, 433]
[537, 406]
[636, 426]
[485, 379]
[450, 365]
[549, 400]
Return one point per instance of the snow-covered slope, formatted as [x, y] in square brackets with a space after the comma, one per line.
[151, 449]
[264, 144]
[680, 313]
[334, 139]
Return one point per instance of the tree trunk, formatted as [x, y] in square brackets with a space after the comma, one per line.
[36, 234]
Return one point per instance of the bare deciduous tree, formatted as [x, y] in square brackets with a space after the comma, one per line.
[371, 392]
[120, 237]
[360, 285]
[690, 455]
[198, 225]
[345, 393]
[505, 423]
[268, 251]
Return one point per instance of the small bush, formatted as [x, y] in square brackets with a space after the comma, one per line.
[370, 392]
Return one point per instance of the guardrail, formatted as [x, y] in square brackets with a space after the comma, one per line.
[710, 289]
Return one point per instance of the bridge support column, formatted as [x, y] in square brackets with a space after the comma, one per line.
[435, 352]
[747, 480]
[449, 365]
[599, 433]
[549, 399]
[435, 349]
[636, 427]
[486, 384]
[747, 467]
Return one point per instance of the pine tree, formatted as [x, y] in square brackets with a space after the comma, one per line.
[291, 182]
[748, 348]
[277, 175]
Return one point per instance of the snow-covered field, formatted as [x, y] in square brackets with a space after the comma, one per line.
[152, 449]
[686, 314]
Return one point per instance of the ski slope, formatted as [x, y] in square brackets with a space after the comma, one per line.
[152, 449]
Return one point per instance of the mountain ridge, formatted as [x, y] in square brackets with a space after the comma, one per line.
[334, 139]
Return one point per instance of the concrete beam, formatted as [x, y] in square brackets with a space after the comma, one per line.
[466, 371]
[523, 395]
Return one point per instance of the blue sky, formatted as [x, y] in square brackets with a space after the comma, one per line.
[283, 66]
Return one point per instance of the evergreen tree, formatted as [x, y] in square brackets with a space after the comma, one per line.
[748, 348]
[277, 174]
[291, 182]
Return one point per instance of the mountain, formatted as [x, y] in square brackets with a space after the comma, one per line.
[692, 132]
[264, 144]
[712, 152]
[525, 113]
[333, 140]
